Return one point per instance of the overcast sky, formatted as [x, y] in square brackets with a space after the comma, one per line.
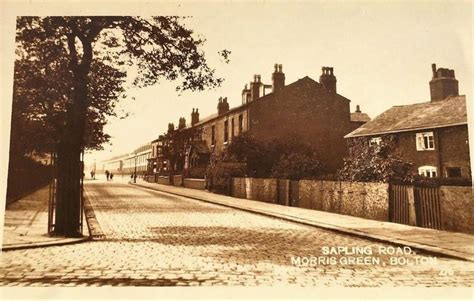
[381, 54]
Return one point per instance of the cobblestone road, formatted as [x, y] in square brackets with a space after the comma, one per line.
[157, 239]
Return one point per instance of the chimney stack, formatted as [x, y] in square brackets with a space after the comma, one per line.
[245, 95]
[222, 106]
[194, 117]
[170, 128]
[255, 87]
[182, 123]
[358, 109]
[278, 78]
[327, 79]
[443, 83]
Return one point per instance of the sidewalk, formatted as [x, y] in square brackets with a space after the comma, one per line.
[443, 243]
[26, 223]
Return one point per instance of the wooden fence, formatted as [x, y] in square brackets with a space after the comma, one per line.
[428, 208]
[416, 206]
[398, 208]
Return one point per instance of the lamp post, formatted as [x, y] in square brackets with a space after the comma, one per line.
[135, 173]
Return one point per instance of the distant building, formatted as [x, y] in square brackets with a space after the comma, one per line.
[432, 135]
[129, 163]
[309, 110]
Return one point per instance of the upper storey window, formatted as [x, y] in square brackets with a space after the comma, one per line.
[425, 141]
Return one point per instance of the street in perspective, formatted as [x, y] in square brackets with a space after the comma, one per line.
[148, 237]
[160, 152]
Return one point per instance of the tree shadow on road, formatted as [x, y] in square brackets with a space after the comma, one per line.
[247, 245]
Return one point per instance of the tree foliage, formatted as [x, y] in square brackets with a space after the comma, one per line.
[51, 49]
[289, 159]
[375, 163]
[69, 74]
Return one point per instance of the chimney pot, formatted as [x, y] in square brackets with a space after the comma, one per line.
[433, 68]
[358, 109]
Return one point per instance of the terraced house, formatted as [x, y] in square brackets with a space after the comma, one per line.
[306, 109]
[432, 135]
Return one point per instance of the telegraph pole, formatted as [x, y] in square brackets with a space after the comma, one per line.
[135, 174]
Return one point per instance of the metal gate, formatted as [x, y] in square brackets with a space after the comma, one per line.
[428, 207]
[52, 194]
[399, 206]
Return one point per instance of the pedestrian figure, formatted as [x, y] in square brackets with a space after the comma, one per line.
[111, 176]
[134, 177]
[92, 174]
[107, 174]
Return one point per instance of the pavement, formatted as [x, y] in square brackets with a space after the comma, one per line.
[441, 243]
[26, 222]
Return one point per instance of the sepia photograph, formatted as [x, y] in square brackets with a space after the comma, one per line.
[237, 149]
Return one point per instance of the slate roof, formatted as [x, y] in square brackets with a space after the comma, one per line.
[448, 112]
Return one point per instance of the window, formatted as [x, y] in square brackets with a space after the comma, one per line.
[453, 172]
[213, 135]
[427, 171]
[226, 131]
[241, 123]
[425, 141]
[232, 128]
[375, 141]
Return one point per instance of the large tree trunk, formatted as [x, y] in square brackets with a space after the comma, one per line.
[70, 171]
[68, 198]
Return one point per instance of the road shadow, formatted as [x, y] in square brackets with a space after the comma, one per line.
[247, 245]
[143, 201]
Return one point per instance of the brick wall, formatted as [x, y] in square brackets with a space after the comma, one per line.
[163, 180]
[309, 112]
[178, 180]
[451, 150]
[194, 183]
[238, 188]
[218, 124]
[367, 200]
[457, 206]
[264, 190]
[283, 192]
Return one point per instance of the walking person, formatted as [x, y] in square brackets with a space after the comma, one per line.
[111, 176]
[107, 174]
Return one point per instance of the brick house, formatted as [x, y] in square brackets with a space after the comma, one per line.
[432, 135]
[307, 109]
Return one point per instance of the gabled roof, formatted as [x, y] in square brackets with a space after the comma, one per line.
[448, 112]
[305, 80]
